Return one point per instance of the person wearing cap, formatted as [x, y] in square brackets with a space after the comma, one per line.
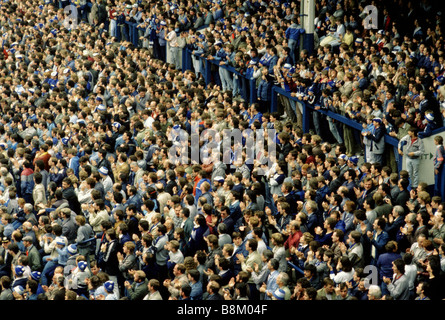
[34, 258]
[377, 141]
[218, 184]
[19, 292]
[5, 269]
[73, 254]
[430, 125]
[252, 68]
[69, 228]
[36, 276]
[107, 182]
[412, 148]
[53, 81]
[353, 164]
[220, 58]
[50, 260]
[161, 32]
[330, 36]
[80, 276]
[109, 290]
[19, 277]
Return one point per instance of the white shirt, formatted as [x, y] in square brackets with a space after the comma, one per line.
[411, 274]
[342, 276]
[148, 123]
[172, 38]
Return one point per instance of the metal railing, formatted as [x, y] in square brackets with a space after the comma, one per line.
[248, 92]
[247, 86]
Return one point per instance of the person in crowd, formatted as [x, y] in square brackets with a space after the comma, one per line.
[140, 150]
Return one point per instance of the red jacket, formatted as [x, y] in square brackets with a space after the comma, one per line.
[293, 240]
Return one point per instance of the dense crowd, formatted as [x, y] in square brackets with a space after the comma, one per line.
[94, 205]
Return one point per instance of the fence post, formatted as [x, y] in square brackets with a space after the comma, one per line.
[273, 99]
[118, 32]
[306, 117]
[185, 59]
[207, 71]
[134, 34]
[252, 87]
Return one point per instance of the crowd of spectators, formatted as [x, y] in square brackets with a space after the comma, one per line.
[92, 207]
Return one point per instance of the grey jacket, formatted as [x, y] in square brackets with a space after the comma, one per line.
[6, 295]
[128, 263]
[399, 288]
[409, 146]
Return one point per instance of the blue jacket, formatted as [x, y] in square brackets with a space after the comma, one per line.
[218, 14]
[312, 222]
[161, 38]
[196, 293]
[220, 55]
[197, 241]
[264, 90]
[293, 32]
[237, 266]
[265, 59]
[430, 126]
[235, 211]
[384, 264]
[272, 62]
[63, 256]
[258, 116]
[74, 164]
[379, 243]
[378, 141]
[136, 200]
[249, 73]
[271, 284]
[26, 184]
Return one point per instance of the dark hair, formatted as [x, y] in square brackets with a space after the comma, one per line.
[400, 265]
[274, 263]
[346, 264]
[195, 274]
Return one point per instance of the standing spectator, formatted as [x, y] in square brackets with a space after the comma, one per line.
[413, 150]
[438, 164]
[398, 286]
[376, 136]
[34, 258]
